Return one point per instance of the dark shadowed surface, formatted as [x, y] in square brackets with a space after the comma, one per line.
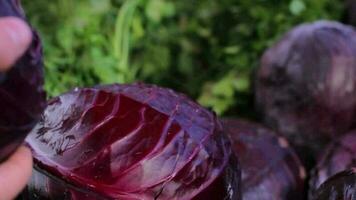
[22, 98]
[270, 167]
[351, 12]
[134, 142]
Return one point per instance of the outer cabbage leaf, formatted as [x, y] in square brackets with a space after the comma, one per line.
[270, 168]
[306, 85]
[341, 186]
[134, 142]
[337, 157]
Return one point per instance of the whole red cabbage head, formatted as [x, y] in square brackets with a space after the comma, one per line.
[306, 83]
[133, 142]
[270, 168]
[338, 156]
[341, 186]
[22, 98]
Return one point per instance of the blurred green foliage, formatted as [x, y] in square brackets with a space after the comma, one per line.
[206, 49]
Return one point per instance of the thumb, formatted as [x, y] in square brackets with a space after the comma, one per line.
[15, 37]
[14, 173]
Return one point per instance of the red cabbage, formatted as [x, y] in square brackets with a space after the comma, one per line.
[338, 156]
[133, 142]
[306, 85]
[341, 186]
[45, 186]
[22, 98]
[270, 168]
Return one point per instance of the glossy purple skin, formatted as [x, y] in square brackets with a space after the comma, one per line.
[134, 142]
[270, 168]
[22, 98]
[341, 186]
[306, 85]
[44, 186]
[338, 156]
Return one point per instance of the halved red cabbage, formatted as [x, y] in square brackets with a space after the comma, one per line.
[306, 85]
[134, 142]
[341, 186]
[22, 98]
[337, 157]
[270, 167]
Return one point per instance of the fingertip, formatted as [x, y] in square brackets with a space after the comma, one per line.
[15, 37]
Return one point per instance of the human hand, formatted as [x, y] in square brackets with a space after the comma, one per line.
[15, 37]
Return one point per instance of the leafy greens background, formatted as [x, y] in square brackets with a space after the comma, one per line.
[207, 49]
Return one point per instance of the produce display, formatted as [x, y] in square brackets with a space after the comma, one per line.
[269, 166]
[341, 186]
[305, 85]
[22, 98]
[144, 142]
[134, 142]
